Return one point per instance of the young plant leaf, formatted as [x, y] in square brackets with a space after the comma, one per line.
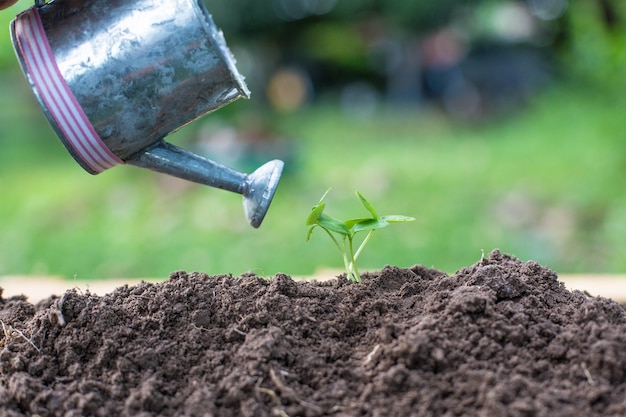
[396, 218]
[310, 232]
[367, 205]
[370, 224]
[350, 223]
[332, 224]
[315, 214]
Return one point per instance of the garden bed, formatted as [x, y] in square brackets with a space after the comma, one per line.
[498, 338]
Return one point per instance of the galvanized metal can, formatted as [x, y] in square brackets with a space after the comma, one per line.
[116, 76]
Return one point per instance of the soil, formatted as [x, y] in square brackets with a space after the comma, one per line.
[499, 338]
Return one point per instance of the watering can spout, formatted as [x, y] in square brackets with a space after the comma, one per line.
[257, 188]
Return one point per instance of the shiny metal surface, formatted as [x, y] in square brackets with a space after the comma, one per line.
[141, 69]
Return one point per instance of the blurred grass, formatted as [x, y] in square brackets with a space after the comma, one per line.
[545, 184]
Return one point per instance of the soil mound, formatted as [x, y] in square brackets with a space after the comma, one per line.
[499, 338]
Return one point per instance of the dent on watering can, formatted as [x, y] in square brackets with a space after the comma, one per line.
[115, 77]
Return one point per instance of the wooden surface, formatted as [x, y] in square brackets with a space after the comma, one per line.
[40, 287]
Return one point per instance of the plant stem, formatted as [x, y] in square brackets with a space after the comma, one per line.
[367, 238]
[352, 269]
[346, 264]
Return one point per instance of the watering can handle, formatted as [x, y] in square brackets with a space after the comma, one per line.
[257, 188]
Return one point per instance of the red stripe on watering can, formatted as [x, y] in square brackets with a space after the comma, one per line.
[57, 96]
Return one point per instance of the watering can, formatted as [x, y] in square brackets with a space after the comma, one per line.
[114, 77]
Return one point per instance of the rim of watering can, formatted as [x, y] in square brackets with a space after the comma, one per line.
[60, 105]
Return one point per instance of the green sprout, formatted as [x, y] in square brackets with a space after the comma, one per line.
[348, 229]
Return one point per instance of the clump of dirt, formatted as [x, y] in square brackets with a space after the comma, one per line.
[499, 338]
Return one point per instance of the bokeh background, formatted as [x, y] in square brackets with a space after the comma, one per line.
[495, 123]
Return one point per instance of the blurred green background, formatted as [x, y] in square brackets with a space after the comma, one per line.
[496, 124]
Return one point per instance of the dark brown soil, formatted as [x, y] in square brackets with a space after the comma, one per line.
[499, 338]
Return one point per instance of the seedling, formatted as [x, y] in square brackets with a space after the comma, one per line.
[348, 229]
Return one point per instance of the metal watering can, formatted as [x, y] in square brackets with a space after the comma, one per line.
[114, 77]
